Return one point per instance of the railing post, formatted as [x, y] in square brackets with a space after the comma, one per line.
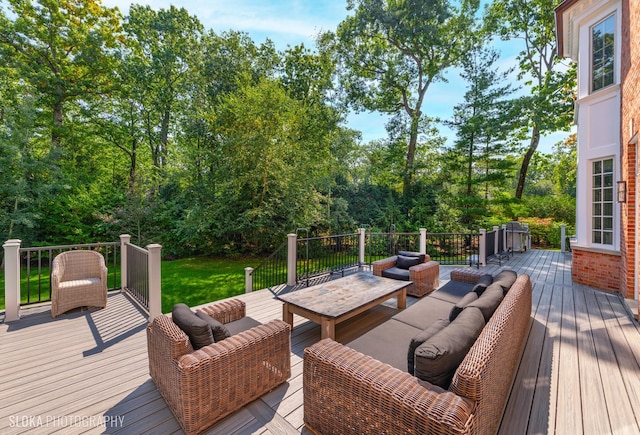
[12, 280]
[482, 251]
[423, 240]
[248, 279]
[361, 245]
[504, 238]
[292, 258]
[124, 239]
[155, 291]
[496, 244]
[527, 239]
[563, 237]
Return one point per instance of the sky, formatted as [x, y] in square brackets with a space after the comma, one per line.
[294, 22]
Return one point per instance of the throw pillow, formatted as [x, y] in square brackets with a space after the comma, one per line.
[506, 278]
[423, 336]
[403, 262]
[219, 331]
[482, 284]
[438, 358]
[197, 330]
[459, 306]
[489, 301]
[413, 254]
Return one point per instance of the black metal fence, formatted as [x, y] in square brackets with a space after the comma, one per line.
[138, 274]
[453, 248]
[35, 266]
[318, 256]
[272, 272]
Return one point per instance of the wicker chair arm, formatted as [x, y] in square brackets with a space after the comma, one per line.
[385, 263]
[348, 392]
[226, 311]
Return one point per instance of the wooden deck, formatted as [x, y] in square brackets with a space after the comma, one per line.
[87, 372]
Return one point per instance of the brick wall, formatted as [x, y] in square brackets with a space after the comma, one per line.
[630, 115]
[596, 269]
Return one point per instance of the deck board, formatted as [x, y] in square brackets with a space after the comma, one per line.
[579, 372]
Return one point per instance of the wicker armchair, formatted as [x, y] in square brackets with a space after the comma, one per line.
[78, 279]
[203, 386]
[424, 277]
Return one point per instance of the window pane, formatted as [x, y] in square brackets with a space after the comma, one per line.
[596, 237]
[602, 53]
[597, 223]
[608, 194]
[597, 181]
[608, 223]
[597, 167]
[608, 165]
[607, 238]
[608, 209]
[597, 195]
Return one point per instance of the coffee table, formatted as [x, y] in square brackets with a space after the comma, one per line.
[340, 299]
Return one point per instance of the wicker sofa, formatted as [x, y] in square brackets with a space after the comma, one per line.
[203, 386]
[371, 391]
[78, 279]
[424, 274]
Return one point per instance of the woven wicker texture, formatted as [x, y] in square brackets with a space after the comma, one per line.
[468, 275]
[78, 279]
[486, 374]
[348, 392]
[203, 386]
[425, 277]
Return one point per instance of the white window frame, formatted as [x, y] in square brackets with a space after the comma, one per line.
[592, 78]
[602, 196]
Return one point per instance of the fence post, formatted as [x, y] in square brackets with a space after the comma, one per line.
[563, 238]
[292, 258]
[504, 238]
[11, 280]
[482, 251]
[423, 240]
[155, 290]
[361, 245]
[248, 279]
[496, 241]
[124, 239]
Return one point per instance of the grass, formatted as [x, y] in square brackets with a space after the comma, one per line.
[194, 281]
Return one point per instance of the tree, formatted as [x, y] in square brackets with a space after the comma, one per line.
[476, 164]
[549, 107]
[62, 49]
[390, 52]
[164, 45]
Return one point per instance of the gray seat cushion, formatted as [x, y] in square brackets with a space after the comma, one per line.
[452, 291]
[396, 273]
[240, 325]
[387, 343]
[424, 312]
[437, 359]
[198, 331]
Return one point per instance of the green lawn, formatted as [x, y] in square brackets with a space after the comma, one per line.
[194, 281]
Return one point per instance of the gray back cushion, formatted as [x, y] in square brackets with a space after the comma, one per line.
[489, 300]
[413, 254]
[437, 359]
[459, 306]
[219, 331]
[482, 284]
[403, 262]
[198, 330]
[423, 336]
[506, 278]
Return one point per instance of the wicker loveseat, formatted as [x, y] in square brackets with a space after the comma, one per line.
[424, 274]
[203, 386]
[346, 391]
[78, 279]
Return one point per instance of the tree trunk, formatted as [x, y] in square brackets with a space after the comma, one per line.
[411, 152]
[533, 146]
[56, 137]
